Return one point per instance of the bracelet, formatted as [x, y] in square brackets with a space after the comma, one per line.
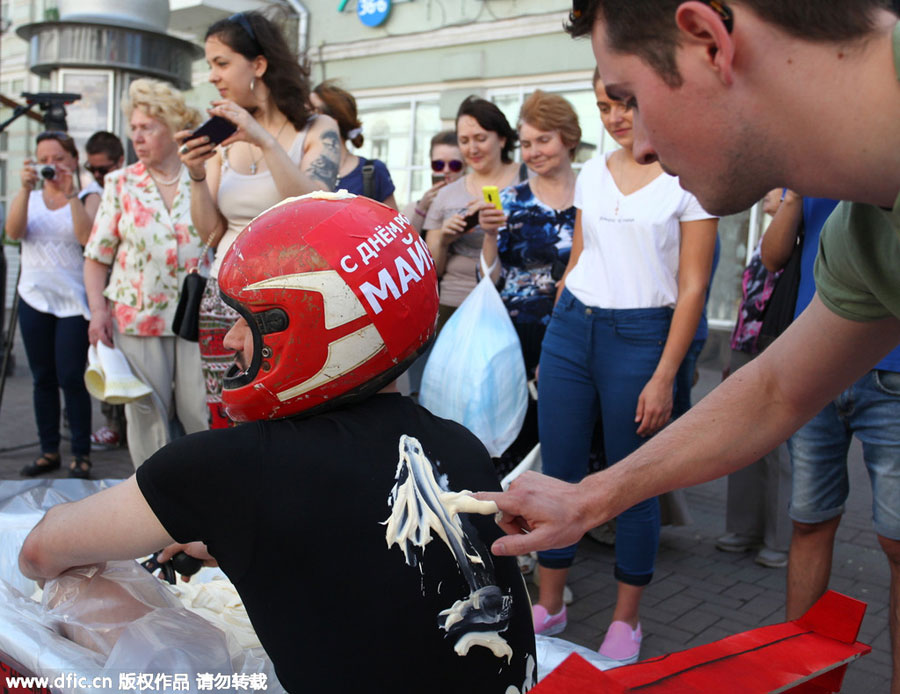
[72, 196]
[419, 212]
[197, 180]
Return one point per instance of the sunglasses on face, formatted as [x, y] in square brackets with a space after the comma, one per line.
[99, 170]
[455, 165]
[724, 11]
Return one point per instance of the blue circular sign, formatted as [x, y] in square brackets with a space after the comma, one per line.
[372, 12]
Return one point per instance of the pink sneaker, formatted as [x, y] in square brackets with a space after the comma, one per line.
[546, 623]
[622, 644]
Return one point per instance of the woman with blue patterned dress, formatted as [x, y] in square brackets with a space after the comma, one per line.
[527, 244]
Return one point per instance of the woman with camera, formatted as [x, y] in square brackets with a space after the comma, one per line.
[143, 240]
[280, 149]
[53, 222]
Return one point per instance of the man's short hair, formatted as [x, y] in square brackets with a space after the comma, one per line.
[103, 142]
[646, 28]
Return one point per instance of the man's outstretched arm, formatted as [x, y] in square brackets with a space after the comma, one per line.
[747, 416]
[116, 523]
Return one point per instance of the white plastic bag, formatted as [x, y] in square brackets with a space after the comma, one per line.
[475, 374]
[137, 624]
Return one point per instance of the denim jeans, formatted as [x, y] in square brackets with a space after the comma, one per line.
[595, 362]
[57, 354]
[684, 379]
[869, 410]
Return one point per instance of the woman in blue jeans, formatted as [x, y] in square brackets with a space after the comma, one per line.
[53, 223]
[627, 310]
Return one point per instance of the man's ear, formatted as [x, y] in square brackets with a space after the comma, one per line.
[701, 27]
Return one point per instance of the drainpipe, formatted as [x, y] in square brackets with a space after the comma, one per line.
[303, 26]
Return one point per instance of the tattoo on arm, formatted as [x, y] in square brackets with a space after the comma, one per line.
[325, 168]
[331, 140]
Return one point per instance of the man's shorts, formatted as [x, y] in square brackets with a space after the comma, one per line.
[870, 411]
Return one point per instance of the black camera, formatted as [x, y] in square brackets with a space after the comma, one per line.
[45, 171]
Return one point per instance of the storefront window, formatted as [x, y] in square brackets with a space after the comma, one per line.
[398, 132]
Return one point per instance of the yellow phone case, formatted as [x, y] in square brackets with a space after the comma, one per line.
[492, 195]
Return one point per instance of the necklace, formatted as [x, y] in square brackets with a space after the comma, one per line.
[172, 180]
[256, 161]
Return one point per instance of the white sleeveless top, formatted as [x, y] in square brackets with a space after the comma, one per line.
[52, 279]
[243, 196]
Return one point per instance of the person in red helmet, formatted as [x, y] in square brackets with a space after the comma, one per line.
[339, 508]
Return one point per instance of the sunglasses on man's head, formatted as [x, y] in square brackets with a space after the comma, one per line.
[579, 6]
[455, 165]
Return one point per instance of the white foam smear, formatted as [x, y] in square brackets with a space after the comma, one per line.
[489, 639]
[420, 505]
[341, 194]
[530, 678]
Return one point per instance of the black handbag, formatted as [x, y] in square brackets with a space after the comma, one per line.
[186, 323]
[783, 302]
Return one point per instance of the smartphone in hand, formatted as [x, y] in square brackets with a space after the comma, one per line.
[492, 195]
[471, 221]
[217, 129]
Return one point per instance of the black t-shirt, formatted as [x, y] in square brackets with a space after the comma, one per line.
[295, 512]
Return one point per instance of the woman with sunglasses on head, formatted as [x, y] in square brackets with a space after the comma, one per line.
[446, 166]
[141, 248]
[357, 175]
[627, 310]
[486, 141]
[53, 224]
[527, 243]
[280, 149]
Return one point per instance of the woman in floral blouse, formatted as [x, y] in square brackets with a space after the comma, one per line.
[144, 241]
[532, 236]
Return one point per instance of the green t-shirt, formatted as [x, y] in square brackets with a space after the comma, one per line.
[857, 270]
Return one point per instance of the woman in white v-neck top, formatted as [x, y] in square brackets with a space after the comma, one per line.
[627, 310]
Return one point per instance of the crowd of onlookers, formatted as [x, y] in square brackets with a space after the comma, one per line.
[605, 275]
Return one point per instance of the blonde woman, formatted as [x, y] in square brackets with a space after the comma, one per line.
[143, 232]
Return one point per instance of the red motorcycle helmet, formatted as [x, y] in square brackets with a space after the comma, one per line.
[340, 294]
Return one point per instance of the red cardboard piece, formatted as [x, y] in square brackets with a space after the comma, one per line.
[805, 656]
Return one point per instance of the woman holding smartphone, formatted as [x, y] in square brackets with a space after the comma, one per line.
[627, 310]
[280, 149]
[486, 141]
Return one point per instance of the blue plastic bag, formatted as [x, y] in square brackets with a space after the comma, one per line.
[476, 374]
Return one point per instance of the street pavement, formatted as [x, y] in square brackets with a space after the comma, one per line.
[698, 594]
